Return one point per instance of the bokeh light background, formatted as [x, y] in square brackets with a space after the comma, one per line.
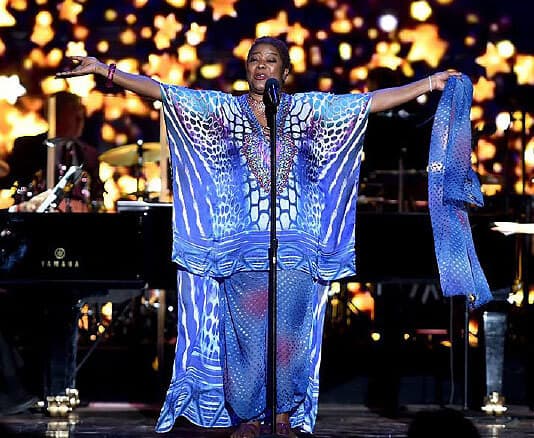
[335, 45]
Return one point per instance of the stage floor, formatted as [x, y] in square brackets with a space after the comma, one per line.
[334, 420]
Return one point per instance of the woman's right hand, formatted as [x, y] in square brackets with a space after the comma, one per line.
[82, 65]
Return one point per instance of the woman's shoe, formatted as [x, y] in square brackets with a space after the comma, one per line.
[247, 430]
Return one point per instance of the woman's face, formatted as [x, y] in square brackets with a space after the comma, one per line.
[264, 62]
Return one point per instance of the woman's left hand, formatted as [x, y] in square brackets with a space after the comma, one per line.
[440, 79]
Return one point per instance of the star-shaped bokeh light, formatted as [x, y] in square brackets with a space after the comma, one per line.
[6, 19]
[222, 8]
[426, 44]
[334, 45]
[493, 61]
[484, 89]
[69, 10]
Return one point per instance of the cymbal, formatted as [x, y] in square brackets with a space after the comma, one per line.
[4, 168]
[127, 155]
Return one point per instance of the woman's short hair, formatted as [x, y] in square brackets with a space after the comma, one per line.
[280, 47]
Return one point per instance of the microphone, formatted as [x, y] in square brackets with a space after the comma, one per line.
[271, 93]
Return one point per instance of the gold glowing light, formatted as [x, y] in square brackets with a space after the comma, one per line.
[107, 310]
[484, 89]
[321, 35]
[298, 59]
[345, 51]
[372, 33]
[69, 11]
[108, 132]
[492, 61]
[297, 34]
[6, 198]
[273, 27]
[529, 153]
[2, 47]
[131, 19]
[93, 102]
[42, 31]
[6, 19]
[486, 150]
[102, 46]
[198, 5]
[325, 84]
[167, 27]
[19, 5]
[477, 112]
[196, 34]
[166, 67]
[76, 49]
[240, 85]
[80, 32]
[11, 88]
[128, 184]
[51, 85]
[420, 10]
[146, 32]
[38, 58]
[136, 105]
[341, 22]
[386, 56]
[358, 74]
[470, 41]
[426, 44]
[187, 56]
[524, 69]
[15, 123]
[364, 302]
[503, 121]
[176, 3]
[110, 15]
[128, 37]
[222, 8]
[473, 332]
[316, 57]
[138, 4]
[505, 49]
[211, 71]
[241, 50]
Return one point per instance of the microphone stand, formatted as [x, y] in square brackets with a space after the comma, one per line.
[270, 112]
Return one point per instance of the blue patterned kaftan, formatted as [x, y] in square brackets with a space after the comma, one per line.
[221, 180]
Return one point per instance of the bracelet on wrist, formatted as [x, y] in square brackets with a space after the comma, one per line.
[111, 73]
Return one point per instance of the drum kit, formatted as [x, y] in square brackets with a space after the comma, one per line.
[134, 155]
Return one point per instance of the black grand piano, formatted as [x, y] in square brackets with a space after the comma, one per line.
[76, 254]
[132, 249]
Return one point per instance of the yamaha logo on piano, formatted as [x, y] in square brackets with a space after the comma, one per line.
[60, 261]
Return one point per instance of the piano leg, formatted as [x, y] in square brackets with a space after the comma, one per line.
[494, 336]
[62, 313]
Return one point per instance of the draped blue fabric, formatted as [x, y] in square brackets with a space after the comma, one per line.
[221, 184]
[452, 187]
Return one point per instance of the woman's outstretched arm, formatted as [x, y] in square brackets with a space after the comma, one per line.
[139, 84]
[388, 98]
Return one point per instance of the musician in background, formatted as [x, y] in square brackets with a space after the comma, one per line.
[45, 321]
[28, 160]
